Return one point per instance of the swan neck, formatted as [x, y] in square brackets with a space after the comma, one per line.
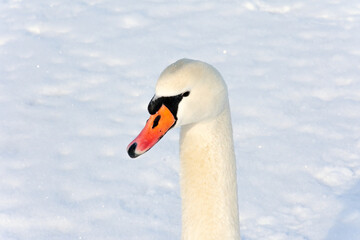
[208, 180]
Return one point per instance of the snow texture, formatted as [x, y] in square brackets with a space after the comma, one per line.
[75, 80]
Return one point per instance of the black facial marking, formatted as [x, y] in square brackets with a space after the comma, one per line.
[154, 105]
[172, 103]
[156, 121]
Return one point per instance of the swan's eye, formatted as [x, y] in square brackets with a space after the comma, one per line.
[187, 93]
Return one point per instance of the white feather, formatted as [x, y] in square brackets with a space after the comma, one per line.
[208, 168]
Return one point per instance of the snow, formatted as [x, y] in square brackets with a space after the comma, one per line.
[75, 81]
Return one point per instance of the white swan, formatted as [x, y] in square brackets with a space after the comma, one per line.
[193, 95]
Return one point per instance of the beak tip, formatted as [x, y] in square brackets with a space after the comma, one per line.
[131, 150]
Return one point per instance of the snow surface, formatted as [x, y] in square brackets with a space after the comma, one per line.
[75, 80]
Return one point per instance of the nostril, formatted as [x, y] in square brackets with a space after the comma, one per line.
[156, 121]
[131, 150]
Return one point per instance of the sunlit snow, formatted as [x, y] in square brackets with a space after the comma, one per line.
[75, 80]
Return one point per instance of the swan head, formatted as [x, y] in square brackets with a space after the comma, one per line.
[187, 91]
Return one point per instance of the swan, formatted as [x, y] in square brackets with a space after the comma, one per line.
[192, 95]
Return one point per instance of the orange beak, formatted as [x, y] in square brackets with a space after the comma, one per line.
[156, 127]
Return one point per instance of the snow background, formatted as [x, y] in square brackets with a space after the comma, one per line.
[76, 78]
